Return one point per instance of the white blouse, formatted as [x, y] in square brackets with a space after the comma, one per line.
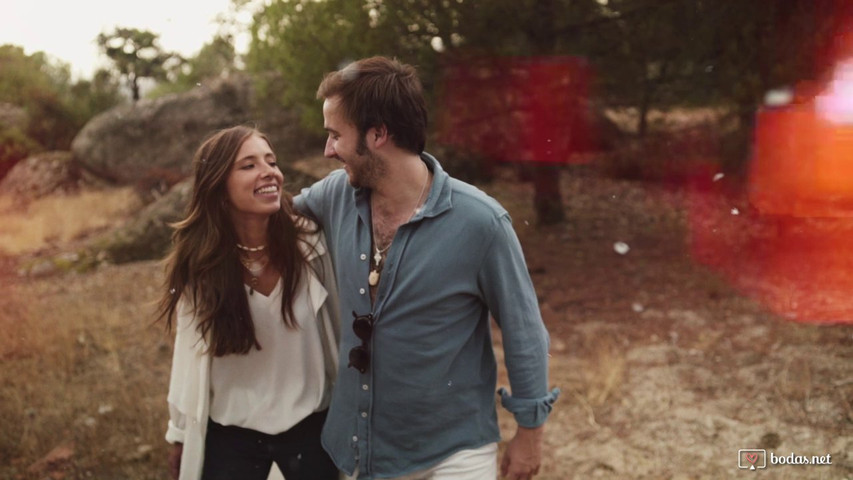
[272, 389]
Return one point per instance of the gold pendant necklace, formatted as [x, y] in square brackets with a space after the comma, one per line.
[256, 269]
[375, 272]
[373, 277]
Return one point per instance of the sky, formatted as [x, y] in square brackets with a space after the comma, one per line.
[67, 29]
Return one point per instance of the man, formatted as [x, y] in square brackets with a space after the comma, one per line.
[422, 259]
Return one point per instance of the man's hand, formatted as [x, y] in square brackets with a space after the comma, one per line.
[523, 454]
[175, 460]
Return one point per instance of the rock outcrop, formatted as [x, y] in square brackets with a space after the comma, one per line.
[46, 174]
[148, 234]
[151, 143]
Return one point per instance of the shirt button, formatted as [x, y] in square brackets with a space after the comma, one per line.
[361, 291]
[363, 256]
[354, 438]
[363, 414]
[364, 387]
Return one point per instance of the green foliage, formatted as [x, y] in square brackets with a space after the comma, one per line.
[216, 58]
[759, 45]
[24, 76]
[136, 54]
[689, 52]
[55, 107]
[301, 41]
[14, 147]
[646, 54]
[91, 97]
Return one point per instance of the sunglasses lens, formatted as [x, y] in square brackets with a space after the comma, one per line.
[363, 327]
[359, 358]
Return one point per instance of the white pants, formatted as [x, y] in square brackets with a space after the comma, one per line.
[474, 464]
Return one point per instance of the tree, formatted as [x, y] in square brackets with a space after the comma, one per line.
[216, 58]
[768, 45]
[303, 39]
[88, 97]
[644, 49]
[645, 53]
[55, 107]
[136, 54]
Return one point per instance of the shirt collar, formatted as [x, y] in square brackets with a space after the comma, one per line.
[438, 200]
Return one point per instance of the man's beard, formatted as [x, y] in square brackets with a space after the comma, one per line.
[369, 168]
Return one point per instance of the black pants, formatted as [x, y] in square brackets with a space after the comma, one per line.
[235, 453]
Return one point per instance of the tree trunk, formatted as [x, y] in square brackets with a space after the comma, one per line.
[134, 88]
[547, 198]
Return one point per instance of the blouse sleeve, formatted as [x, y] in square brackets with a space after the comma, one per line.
[183, 381]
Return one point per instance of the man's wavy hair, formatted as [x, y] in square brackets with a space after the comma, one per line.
[204, 267]
[380, 91]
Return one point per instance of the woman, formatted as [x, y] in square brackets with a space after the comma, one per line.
[251, 287]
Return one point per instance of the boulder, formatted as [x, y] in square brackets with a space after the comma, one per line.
[148, 234]
[46, 174]
[151, 143]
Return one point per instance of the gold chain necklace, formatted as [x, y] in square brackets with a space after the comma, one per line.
[373, 277]
[256, 269]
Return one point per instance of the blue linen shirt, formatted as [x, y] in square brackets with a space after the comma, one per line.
[430, 388]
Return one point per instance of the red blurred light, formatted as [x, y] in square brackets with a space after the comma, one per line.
[517, 109]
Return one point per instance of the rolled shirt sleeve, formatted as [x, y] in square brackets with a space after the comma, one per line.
[511, 299]
[529, 412]
[175, 433]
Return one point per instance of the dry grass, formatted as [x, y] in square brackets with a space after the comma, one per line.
[603, 371]
[85, 372]
[670, 392]
[84, 369]
[59, 219]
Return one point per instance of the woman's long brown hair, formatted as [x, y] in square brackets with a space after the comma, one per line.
[204, 265]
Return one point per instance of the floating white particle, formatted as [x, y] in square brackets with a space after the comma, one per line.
[735, 211]
[718, 177]
[621, 248]
[637, 307]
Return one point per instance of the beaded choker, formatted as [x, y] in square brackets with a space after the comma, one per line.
[251, 249]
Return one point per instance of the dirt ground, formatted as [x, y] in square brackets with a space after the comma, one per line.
[671, 341]
[668, 355]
